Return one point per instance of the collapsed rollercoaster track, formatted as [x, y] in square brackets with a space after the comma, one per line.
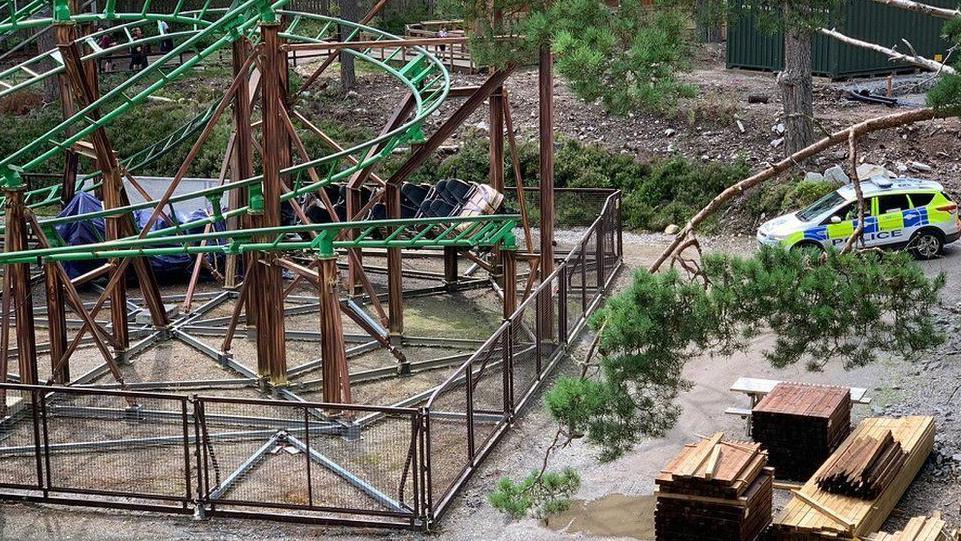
[393, 465]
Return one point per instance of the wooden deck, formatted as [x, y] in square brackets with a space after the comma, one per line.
[816, 514]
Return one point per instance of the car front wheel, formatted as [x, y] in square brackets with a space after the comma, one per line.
[926, 245]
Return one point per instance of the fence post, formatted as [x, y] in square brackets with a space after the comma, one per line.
[620, 226]
[599, 254]
[469, 411]
[44, 451]
[200, 452]
[186, 431]
[426, 475]
[562, 276]
[509, 263]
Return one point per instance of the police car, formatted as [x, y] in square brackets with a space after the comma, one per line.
[900, 213]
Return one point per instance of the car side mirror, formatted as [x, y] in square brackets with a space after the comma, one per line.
[835, 219]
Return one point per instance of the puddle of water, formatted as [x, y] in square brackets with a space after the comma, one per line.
[614, 515]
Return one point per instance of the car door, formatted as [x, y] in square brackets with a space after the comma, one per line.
[841, 224]
[888, 213]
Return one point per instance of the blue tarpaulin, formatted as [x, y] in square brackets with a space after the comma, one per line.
[92, 231]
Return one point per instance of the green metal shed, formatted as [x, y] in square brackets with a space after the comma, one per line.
[751, 48]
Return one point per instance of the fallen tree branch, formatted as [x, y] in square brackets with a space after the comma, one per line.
[892, 54]
[772, 171]
[858, 232]
[918, 7]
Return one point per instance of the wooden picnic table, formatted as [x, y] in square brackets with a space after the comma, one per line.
[757, 388]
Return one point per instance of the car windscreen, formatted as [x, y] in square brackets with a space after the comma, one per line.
[821, 206]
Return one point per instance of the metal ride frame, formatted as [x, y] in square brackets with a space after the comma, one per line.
[397, 465]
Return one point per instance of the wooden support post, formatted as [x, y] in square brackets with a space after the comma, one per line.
[241, 166]
[451, 276]
[333, 354]
[546, 129]
[71, 158]
[268, 284]
[112, 180]
[509, 257]
[113, 194]
[395, 280]
[56, 323]
[496, 120]
[18, 275]
[355, 262]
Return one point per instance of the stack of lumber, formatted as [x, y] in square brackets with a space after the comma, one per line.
[800, 426]
[714, 490]
[919, 529]
[863, 467]
[814, 513]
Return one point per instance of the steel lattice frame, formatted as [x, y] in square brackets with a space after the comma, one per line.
[259, 43]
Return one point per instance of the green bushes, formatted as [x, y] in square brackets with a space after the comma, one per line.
[778, 198]
[806, 192]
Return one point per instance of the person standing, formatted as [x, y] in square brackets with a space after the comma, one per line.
[442, 33]
[138, 52]
[106, 42]
[166, 44]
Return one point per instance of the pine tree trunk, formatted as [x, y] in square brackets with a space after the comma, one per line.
[348, 12]
[710, 25]
[796, 82]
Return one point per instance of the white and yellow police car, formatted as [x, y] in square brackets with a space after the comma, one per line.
[903, 213]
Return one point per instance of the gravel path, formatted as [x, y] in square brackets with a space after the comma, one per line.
[612, 498]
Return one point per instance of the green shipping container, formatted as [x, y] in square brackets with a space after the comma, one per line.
[751, 48]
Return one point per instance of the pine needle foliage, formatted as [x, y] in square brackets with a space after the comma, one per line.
[541, 494]
[946, 94]
[845, 308]
[626, 57]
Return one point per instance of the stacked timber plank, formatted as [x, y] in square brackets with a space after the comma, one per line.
[863, 467]
[714, 490]
[814, 513]
[919, 529]
[800, 426]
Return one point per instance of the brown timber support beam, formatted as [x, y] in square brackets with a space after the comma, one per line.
[56, 322]
[333, 355]
[113, 195]
[18, 276]
[241, 165]
[267, 279]
[546, 133]
[449, 126]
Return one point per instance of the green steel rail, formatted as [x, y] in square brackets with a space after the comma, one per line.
[424, 77]
[49, 195]
[23, 18]
[424, 233]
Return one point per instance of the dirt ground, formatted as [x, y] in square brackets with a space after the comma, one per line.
[725, 122]
[613, 501]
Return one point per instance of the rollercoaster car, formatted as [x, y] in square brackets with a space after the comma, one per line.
[446, 198]
[902, 213]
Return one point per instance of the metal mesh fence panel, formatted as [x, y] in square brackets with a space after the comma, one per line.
[270, 458]
[486, 399]
[525, 363]
[332, 460]
[20, 441]
[122, 444]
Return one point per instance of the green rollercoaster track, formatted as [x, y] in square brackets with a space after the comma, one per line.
[202, 33]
